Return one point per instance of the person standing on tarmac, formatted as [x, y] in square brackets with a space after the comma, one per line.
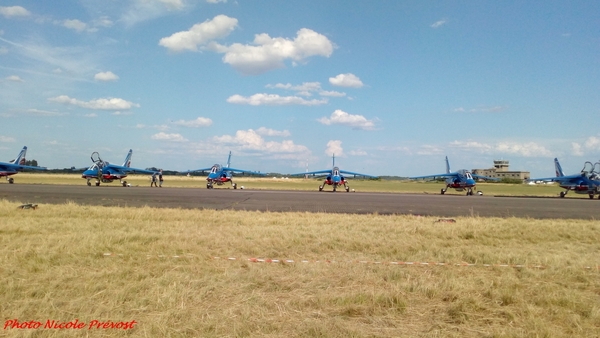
[160, 179]
[153, 180]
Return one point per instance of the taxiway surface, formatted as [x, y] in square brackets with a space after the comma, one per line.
[329, 202]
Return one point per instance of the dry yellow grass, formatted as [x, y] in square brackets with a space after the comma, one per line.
[53, 266]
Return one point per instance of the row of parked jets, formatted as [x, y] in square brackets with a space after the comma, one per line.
[586, 182]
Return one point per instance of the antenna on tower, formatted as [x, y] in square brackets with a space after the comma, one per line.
[306, 175]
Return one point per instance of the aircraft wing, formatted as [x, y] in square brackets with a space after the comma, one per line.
[357, 174]
[434, 176]
[243, 171]
[10, 166]
[201, 169]
[558, 179]
[318, 172]
[112, 168]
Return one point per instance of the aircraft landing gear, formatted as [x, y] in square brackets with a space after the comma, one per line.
[234, 185]
[592, 196]
[320, 188]
[443, 191]
[347, 188]
[209, 185]
[469, 192]
[97, 183]
[124, 183]
[10, 180]
[563, 194]
[89, 183]
[334, 187]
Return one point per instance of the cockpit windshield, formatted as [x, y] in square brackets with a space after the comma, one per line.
[468, 175]
[215, 169]
[588, 168]
[336, 171]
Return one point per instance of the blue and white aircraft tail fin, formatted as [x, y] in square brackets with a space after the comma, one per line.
[559, 171]
[447, 166]
[229, 160]
[20, 160]
[127, 162]
[333, 157]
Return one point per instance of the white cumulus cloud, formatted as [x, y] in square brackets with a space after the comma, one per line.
[332, 93]
[252, 140]
[334, 147]
[272, 132]
[106, 76]
[273, 100]
[267, 53]
[11, 11]
[162, 136]
[75, 25]
[101, 104]
[528, 149]
[7, 139]
[14, 78]
[346, 80]
[342, 118]
[200, 34]
[197, 123]
[438, 24]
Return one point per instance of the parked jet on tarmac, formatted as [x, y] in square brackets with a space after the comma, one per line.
[18, 164]
[459, 180]
[219, 175]
[586, 182]
[334, 176]
[105, 172]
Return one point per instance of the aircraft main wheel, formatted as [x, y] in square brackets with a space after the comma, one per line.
[334, 188]
[234, 186]
[320, 188]
[347, 189]
[97, 184]
[89, 184]
[443, 191]
[208, 186]
[124, 183]
[591, 196]
[11, 180]
[562, 194]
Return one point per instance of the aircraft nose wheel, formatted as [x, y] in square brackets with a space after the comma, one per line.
[11, 180]
[320, 188]
[234, 186]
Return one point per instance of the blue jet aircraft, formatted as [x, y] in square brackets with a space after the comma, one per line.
[16, 165]
[459, 180]
[586, 182]
[334, 176]
[105, 172]
[221, 174]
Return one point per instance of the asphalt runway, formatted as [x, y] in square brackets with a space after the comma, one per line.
[305, 201]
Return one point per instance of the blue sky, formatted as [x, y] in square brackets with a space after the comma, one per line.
[390, 87]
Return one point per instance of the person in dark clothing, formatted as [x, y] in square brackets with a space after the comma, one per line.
[153, 180]
[160, 178]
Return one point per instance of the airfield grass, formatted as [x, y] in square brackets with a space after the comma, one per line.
[54, 267]
[311, 184]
